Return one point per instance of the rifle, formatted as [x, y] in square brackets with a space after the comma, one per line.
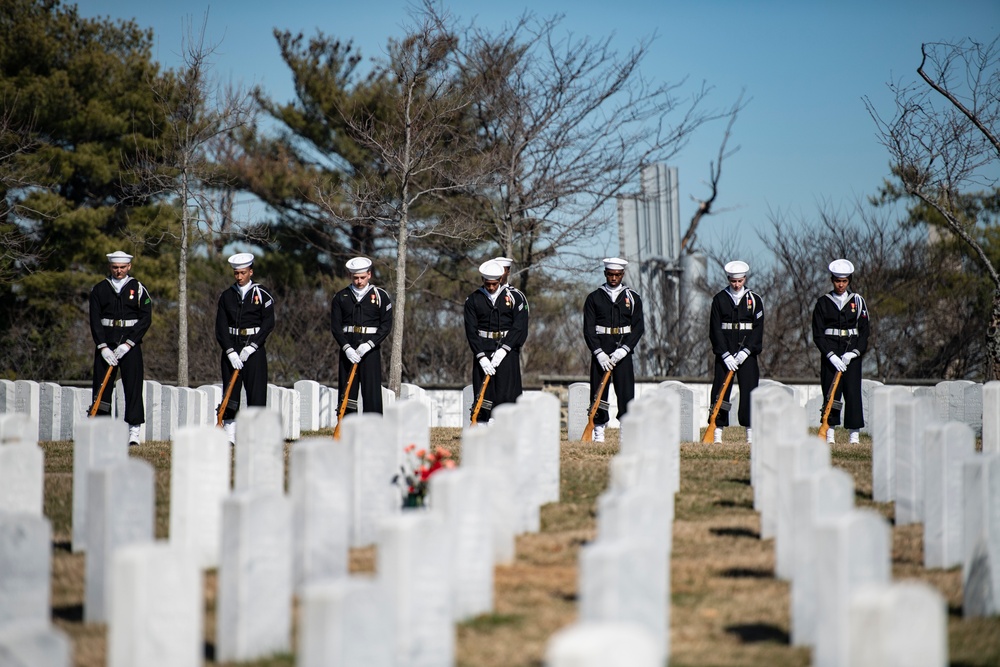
[343, 403]
[225, 399]
[710, 431]
[479, 401]
[823, 426]
[588, 430]
[100, 392]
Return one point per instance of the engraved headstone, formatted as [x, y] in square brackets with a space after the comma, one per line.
[481, 449]
[309, 404]
[687, 430]
[912, 416]
[947, 446]
[260, 451]
[579, 407]
[545, 411]
[200, 476]
[883, 425]
[22, 478]
[97, 442]
[25, 568]
[27, 400]
[49, 412]
[318, 484]
[372, 462]
[76, 404]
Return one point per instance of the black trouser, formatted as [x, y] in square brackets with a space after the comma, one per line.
[504, 386]
[369, 377]
[748, 377]
[623, 377]
[848, 390]
[132, 377]
[253, 376]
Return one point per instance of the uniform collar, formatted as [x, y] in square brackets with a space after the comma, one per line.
[359, 294]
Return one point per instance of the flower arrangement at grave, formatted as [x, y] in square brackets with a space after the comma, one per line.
[415, 472]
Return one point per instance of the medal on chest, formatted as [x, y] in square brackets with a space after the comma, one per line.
[256, 299]
[749, 303]
[854, 307]
[507, 301]
[371, 298]
[131, 294]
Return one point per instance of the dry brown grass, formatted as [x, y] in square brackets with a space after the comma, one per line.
[727, 608]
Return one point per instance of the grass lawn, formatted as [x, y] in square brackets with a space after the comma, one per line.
[727, 609]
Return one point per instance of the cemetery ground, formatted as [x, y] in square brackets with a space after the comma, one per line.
[727, 607]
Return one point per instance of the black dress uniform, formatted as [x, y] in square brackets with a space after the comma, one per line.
[356, 318]
[734, 326]
[116, 317]
[245, 321]
[609, 322]
[838, 329]
[490, 325]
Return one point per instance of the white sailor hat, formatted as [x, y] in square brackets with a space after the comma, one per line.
[491, 270]
[358, 264]
[614, 263]
[841, 268]
[737, 269]
[241, 260]
[505, 262]
[119, 257]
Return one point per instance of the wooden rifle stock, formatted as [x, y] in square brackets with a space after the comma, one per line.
[100, 392]
[710, 431]
[225, 399]
[479, 401]
[343, 403]
[824, 426]
[588, 430]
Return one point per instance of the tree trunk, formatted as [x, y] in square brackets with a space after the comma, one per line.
[182, 300]
[993, 340]
[399, 307]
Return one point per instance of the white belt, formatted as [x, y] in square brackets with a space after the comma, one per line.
[495, 335]
[737, 325]
[841, 332]
[119, 323]
[613, 330]
[365, 330]
[244, 332]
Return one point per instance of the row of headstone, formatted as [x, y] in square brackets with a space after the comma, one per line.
[836, 557]
[27, 637]
[624, 588]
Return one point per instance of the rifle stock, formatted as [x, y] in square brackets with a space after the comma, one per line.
[343, 403]
[588, 430]
[225, 399]
[710, 431]
[474, 419]
[824, 426]
[100, 392]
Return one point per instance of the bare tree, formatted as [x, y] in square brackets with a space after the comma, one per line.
[181, 168]
[17, 251]
[943, 140]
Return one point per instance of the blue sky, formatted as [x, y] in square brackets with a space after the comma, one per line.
[805, 139]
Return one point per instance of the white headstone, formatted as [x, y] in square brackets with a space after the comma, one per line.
[345, 622]
[778, 420]
[947, 446]
[34, 645]
[991, 417]
[883, 423]
[468, 402]
[22, 478]
[626, 580]
[373, 461]
[852, 551]
[25, 568]
[903, 624]
[200, 476]
[120, 511]
[18, 427]
[973, 408]
[254, 611]
[766, 403]
[49, 412]
[868, 389]
[76, 405]
[7, 396]
[545, 410]
[981, 536]
[327, 406]
[411, 423]
[309, 404]
[578, 407]
[97, 442]
[155, 616]
[413, 560]
[260, 451]
[461, 498]
[797, 459]
[157, 410]
[519, 462]
[818, 497]
[688, 430]
[27, 400]
[912, 416]
[603, 644]
[481, 449]
[214, 393]
[319, 484]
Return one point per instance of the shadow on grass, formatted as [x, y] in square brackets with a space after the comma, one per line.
[71, 613]
[62, 545]
[754, 633]
[209, 651]
[864, 495]
[747, 573]
[745, 481]
[738, 531]
[742, 504]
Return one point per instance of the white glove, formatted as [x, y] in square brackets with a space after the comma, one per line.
[618, 355]
[730, 362]
[498, 356]
[837, 363]
[605, 361]
[364, 349]
[848, 358]
[121, 350]
[235, 360]
[109, 356]
[741, 356]
[487, 366]
[352, 355]
[246, 352]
